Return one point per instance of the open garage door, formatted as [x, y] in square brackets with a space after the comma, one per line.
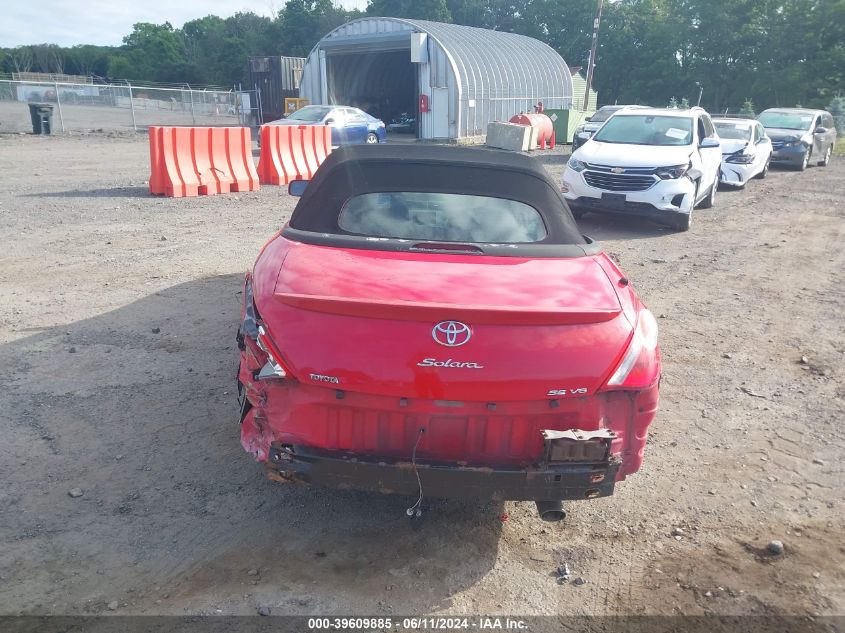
[383, 83]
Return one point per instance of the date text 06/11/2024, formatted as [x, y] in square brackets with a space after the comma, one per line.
[418, 624]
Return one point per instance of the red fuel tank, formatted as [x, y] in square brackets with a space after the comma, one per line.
[545, 129]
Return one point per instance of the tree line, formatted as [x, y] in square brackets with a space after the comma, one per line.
[769, 52]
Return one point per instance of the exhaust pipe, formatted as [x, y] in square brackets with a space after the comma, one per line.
[551, 511]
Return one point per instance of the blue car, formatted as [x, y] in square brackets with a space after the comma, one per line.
[350, 126]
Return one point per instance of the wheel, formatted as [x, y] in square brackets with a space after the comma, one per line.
[805, 161]
[372, 138]
[683, 221]
[765, 171]
[826, 160]
[710, 200]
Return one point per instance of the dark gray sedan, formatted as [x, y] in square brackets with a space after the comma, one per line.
[592, 124]
[799, 136]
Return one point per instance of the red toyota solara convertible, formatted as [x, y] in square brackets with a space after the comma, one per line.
[430, 322]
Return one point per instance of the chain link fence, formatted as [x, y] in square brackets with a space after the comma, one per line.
[86, 107]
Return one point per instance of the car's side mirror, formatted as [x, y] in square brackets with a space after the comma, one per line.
[588, 119]
[764, 139]
[821, 130]
[328, 122]
[709, 143]
[297, 187]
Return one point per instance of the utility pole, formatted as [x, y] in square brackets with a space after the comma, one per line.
[593, 46]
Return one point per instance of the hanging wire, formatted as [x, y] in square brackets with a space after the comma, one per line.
[416, 510]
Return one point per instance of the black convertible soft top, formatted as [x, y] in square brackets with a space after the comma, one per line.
[354, 170]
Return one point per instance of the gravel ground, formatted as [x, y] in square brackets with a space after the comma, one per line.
[125, 489]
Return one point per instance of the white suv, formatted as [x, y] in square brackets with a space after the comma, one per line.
[653, 163]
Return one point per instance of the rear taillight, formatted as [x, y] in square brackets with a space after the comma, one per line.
[254, 340]
[640, 366]
[275, 366]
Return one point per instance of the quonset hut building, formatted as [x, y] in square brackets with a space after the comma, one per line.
[454, 79]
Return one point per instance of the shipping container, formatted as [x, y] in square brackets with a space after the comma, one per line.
[274, 79]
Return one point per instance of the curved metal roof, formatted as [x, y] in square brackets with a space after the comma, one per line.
[487, 64]
[489, 75]
[492, 64]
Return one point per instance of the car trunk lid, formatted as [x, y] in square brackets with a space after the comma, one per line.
[368, 319]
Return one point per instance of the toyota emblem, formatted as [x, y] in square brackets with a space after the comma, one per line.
[451, 333]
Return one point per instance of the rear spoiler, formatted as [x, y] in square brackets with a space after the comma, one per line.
[423, 311]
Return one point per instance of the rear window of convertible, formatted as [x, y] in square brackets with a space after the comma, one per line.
[442, 217]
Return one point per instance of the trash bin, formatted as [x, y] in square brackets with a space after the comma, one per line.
[42, 117]
[565, 122]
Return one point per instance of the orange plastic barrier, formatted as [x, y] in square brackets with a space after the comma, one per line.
[191, 161]
[292, 152]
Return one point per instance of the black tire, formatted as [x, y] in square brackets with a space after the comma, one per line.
[372, 138]
[710, 200]
[765, 171]
[805, 161]
[826, 160]
[682, 222]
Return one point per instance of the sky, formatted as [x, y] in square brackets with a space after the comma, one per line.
[105, 22]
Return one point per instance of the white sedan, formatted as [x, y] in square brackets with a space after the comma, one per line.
[746, 151]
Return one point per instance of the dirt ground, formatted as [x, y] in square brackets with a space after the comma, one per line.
[118, 314]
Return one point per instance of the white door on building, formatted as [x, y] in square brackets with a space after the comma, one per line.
[440, 112]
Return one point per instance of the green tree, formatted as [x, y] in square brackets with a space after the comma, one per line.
[469, 12]
[201, 38]
[303, 22]
[154, 52]
[434, 10]
[48, 58]
[20, 59]
[725, 39]
[88, 60]
[216, 50]
[120, 68]
[815, 72]
[642, 56]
